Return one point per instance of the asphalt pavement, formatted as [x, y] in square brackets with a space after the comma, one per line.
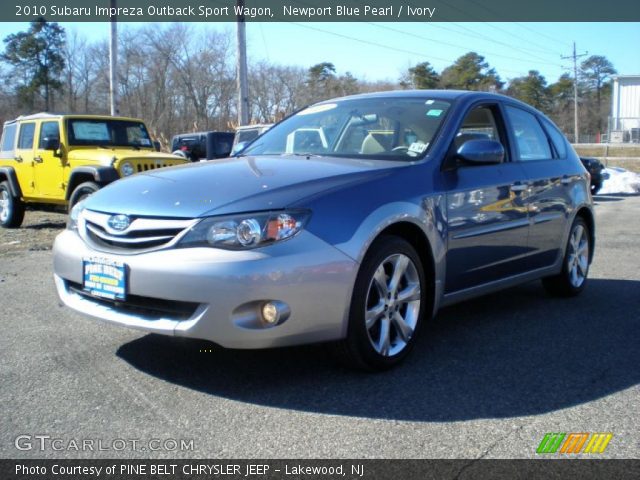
[488, 378]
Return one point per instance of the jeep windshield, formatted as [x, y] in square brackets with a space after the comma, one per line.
[107, 133]
[373, 128]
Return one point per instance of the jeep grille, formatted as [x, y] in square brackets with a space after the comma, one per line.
[144, 166]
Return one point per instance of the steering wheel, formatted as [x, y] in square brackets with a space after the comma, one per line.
[400, 148]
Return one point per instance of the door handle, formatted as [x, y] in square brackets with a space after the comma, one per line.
[565, 180]
[18, 159]
[38, 159]
[519, 187]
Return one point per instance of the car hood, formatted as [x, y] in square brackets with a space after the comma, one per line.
[232, 185]
[106, 156]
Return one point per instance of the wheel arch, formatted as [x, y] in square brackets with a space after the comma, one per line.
[416, 237]
[587, 215]
[8, 174]
[100, 175]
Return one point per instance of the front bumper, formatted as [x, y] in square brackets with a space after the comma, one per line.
[226, 289]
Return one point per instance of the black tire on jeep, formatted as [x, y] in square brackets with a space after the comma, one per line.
[82, 191]
[11, 208]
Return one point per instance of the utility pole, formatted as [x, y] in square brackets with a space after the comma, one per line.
[243, 87]
[113, 62]
[575, 57]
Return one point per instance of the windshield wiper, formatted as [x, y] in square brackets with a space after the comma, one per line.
[307, 155]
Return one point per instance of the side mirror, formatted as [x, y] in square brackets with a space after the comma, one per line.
[51, 143]
[481, 152]
[156, 145]
[238, 148]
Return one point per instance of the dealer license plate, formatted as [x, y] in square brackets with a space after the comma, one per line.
[105, 278]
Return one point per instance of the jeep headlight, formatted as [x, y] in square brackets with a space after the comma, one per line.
[74, 214]
[237, 232]
[126, 169]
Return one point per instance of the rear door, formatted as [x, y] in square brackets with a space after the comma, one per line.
[550, 183]
[24, 157]
[487, 217]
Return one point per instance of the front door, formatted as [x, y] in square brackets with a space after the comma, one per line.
[48, 171]
[487, 217]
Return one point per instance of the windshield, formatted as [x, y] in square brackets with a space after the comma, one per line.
[107, 133]
[376, 128]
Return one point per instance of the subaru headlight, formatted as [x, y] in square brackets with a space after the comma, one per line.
[126, 169]
[74, 214]
[238, 232]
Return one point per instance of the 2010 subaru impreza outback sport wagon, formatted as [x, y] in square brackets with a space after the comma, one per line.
[350, 222]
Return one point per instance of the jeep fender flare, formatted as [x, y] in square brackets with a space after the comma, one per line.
[9, 174]
[101, 175]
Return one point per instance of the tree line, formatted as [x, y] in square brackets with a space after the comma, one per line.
[180, 79]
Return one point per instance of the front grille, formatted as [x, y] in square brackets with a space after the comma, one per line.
[144, 166]
[151, 308]
[143, 234]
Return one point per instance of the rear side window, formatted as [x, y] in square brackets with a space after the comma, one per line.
[48, 130]
[25, 139]
[531, 140]
[9, 137]
[557, 138]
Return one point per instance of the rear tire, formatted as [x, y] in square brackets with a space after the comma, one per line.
[595, 188]
[11, 208]
[387, 307]
[575, 265]
[82, 191]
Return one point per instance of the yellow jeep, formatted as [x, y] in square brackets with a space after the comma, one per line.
[49, 160]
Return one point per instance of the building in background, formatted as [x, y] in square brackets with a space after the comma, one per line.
[624, 123]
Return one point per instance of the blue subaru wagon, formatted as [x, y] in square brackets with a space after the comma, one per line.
[350, 222]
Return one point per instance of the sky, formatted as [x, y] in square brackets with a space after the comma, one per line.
[383, 51]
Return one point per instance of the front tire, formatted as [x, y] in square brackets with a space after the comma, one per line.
[81, 192]
[11, 208]
[575, 265]
[387, 307]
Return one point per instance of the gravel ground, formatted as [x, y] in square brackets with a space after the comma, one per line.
[37, 233]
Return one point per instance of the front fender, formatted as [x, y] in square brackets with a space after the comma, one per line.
[9, 174]
[102, 175]
[429, 215]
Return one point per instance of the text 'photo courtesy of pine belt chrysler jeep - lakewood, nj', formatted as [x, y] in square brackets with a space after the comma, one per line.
[50, 161]
[349, 223]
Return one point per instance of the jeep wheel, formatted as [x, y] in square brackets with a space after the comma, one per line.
[11, 208]
[82, 191]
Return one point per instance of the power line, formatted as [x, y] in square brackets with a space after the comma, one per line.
[537, 32]
[511, 46]
[380, 45]
[385, 27]
[500, 29]
[527, 51]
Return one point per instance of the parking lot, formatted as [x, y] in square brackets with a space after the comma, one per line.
[488, 378]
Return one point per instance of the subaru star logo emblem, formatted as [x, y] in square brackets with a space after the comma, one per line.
[119, 223]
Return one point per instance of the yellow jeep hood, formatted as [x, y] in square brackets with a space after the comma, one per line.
[105, 156]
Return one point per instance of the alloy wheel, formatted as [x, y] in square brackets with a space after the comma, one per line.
[578, 257]
[392, 305]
